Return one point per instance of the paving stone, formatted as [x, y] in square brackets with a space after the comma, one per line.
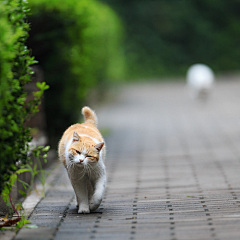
[173, 168]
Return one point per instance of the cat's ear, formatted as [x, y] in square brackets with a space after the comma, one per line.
[76, 137]
[99, 146]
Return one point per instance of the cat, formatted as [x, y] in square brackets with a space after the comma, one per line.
[82, 151]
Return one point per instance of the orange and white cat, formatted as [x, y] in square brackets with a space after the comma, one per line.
[82, 151]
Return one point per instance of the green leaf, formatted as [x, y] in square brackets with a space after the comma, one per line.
[35, 168]
[46, 148]
[30, 168]
[7, 229]
[23, 170]
[36, 152]
[31, 226]
[23, 193]
[19, 207]
[27, 221]
[39, 85]
[24, 184]
[45, 158]
[12, 179]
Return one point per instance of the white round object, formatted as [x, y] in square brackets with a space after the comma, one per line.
[200, 76]
[200, 79]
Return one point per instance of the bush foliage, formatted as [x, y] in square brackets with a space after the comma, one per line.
[14, 74]
[78, 45]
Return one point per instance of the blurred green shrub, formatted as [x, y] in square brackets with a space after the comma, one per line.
[78, 45]
[14, 74]
[163, 38]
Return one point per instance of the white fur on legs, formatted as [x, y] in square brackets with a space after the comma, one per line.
[98, 193]
[83, 208]
[89, 191]
[81, 192]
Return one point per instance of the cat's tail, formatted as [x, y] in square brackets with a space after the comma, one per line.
[89, 115]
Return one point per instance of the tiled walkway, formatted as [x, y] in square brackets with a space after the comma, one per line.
[173, 170]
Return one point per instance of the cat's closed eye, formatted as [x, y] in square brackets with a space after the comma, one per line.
[78, 152]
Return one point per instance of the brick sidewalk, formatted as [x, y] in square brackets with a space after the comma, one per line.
[173, 170]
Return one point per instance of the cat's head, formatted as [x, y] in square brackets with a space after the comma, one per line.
[84, 150]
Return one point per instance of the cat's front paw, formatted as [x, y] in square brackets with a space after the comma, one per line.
[95, 203]
[83, 209]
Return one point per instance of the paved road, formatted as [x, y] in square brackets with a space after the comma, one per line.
[173, 170]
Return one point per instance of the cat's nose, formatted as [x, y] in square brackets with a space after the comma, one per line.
[81, 160]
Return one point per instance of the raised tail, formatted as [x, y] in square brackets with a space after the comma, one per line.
[89, 115]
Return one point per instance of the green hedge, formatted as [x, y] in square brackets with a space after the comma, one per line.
[14, 74]
[78, 45]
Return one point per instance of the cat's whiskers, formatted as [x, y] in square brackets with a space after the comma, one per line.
[84, 172]
[88, 170]
[91, 168]
[70, 164]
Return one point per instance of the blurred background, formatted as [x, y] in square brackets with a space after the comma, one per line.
[164, 37]
[84, 47]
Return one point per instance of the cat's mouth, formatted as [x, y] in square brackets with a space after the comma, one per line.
[80, 162]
